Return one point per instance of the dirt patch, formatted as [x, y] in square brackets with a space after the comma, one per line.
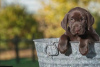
[10, 54]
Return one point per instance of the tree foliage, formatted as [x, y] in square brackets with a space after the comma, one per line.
[14, 20]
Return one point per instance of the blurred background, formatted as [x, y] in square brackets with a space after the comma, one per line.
[21, 21]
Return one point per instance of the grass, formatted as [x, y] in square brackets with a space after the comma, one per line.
[24, 62]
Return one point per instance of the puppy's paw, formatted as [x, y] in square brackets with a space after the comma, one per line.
[83, 49]
[62, 46]
[83, 46]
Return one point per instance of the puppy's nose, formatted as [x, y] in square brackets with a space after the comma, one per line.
[77, 29]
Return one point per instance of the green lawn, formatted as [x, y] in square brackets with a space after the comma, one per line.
[24, 62]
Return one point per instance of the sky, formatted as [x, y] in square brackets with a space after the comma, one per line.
[34, 5]
[31, 5]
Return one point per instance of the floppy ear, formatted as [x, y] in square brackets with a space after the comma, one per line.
[64, 22]
[90, 20]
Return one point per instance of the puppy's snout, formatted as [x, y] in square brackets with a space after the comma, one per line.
[77, 28]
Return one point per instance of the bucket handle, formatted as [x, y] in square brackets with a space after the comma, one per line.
[51, 49]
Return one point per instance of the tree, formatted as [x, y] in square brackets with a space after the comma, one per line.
[14, 20]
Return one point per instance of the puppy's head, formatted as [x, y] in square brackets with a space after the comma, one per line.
[78, 20]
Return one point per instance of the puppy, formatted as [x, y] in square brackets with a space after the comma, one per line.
[78, 26]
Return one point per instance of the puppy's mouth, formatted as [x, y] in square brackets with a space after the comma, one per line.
[77, 32]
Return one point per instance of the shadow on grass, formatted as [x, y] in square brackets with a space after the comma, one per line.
[24, 62]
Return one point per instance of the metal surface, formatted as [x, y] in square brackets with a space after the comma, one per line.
[49, 56]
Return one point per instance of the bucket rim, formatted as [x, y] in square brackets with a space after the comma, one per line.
[39, 40]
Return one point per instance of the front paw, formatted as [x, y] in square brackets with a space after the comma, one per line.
[62, 46]
[83, 49]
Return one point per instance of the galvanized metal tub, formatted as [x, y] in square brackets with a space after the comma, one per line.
[49, 56]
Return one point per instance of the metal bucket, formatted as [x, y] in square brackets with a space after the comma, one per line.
[49, 56]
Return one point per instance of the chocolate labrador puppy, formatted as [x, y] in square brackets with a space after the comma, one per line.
[78, 26]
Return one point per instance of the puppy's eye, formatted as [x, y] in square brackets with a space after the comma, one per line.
[71, 19]
[82, 19]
